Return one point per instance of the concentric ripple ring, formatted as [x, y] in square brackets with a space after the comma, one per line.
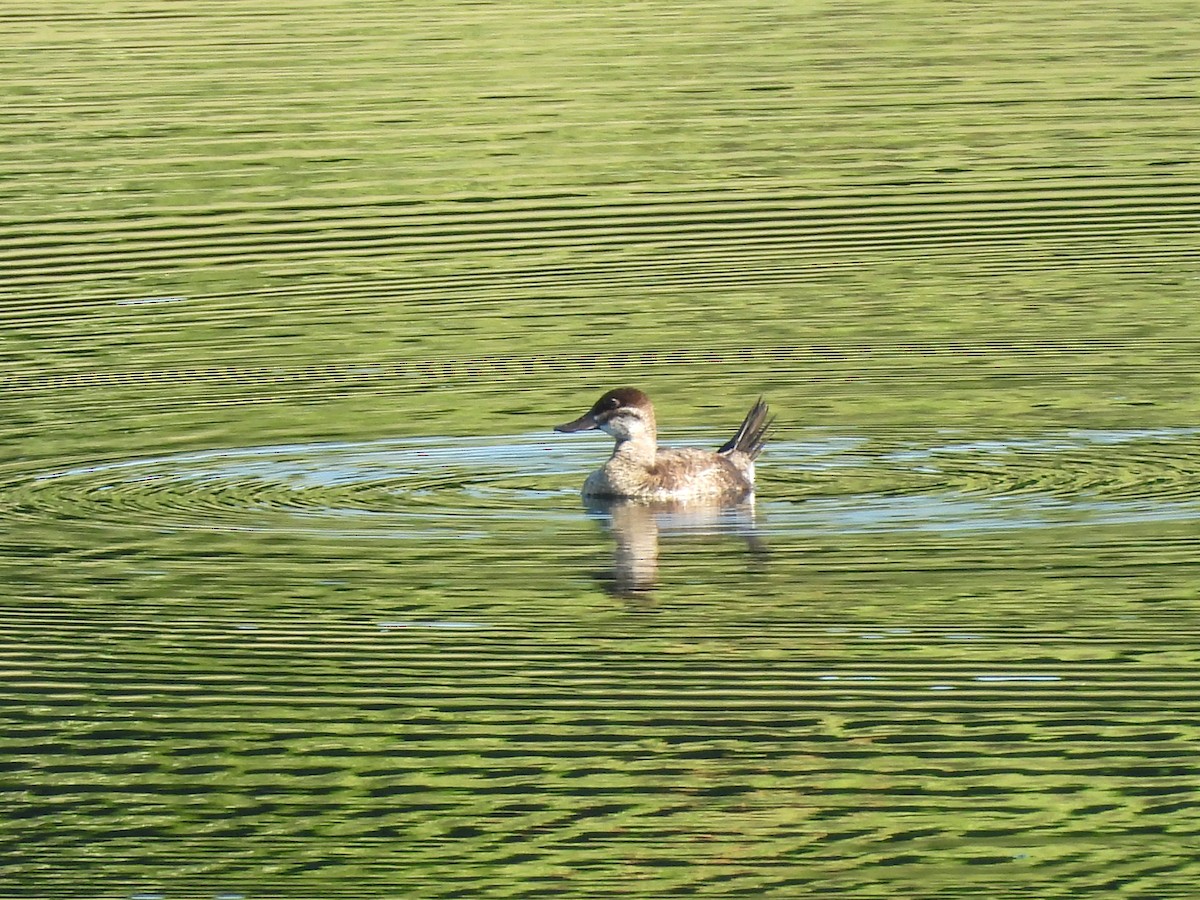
[470, 486]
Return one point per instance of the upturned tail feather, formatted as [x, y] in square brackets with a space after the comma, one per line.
[752, 433]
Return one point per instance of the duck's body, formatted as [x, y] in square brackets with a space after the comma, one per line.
[639, 470]
[678, 474]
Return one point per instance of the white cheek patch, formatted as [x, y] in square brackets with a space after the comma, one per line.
[617, 425]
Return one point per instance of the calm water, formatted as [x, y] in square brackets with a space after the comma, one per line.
[297, 595]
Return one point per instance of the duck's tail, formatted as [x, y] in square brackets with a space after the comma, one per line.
[752, 434]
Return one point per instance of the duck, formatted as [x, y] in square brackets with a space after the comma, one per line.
[641, 470]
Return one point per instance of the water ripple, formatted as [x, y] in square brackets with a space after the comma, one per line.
[473, 486]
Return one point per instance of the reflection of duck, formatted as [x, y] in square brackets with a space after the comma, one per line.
[636, 526]
[639, 470]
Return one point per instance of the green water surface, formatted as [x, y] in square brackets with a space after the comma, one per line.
[297, 598]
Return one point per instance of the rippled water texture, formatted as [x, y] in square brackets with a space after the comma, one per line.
[486, 487]
[298, 597]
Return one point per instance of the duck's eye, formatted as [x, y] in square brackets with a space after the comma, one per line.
[614, 403]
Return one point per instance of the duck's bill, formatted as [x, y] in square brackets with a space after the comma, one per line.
[586, 422]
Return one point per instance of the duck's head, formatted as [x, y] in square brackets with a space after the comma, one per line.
[624, 413]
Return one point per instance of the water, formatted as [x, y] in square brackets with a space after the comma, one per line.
[297, 594]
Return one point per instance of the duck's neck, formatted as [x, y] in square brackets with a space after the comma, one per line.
[639, 449]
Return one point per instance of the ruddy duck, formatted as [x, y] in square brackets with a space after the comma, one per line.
[639, 470]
